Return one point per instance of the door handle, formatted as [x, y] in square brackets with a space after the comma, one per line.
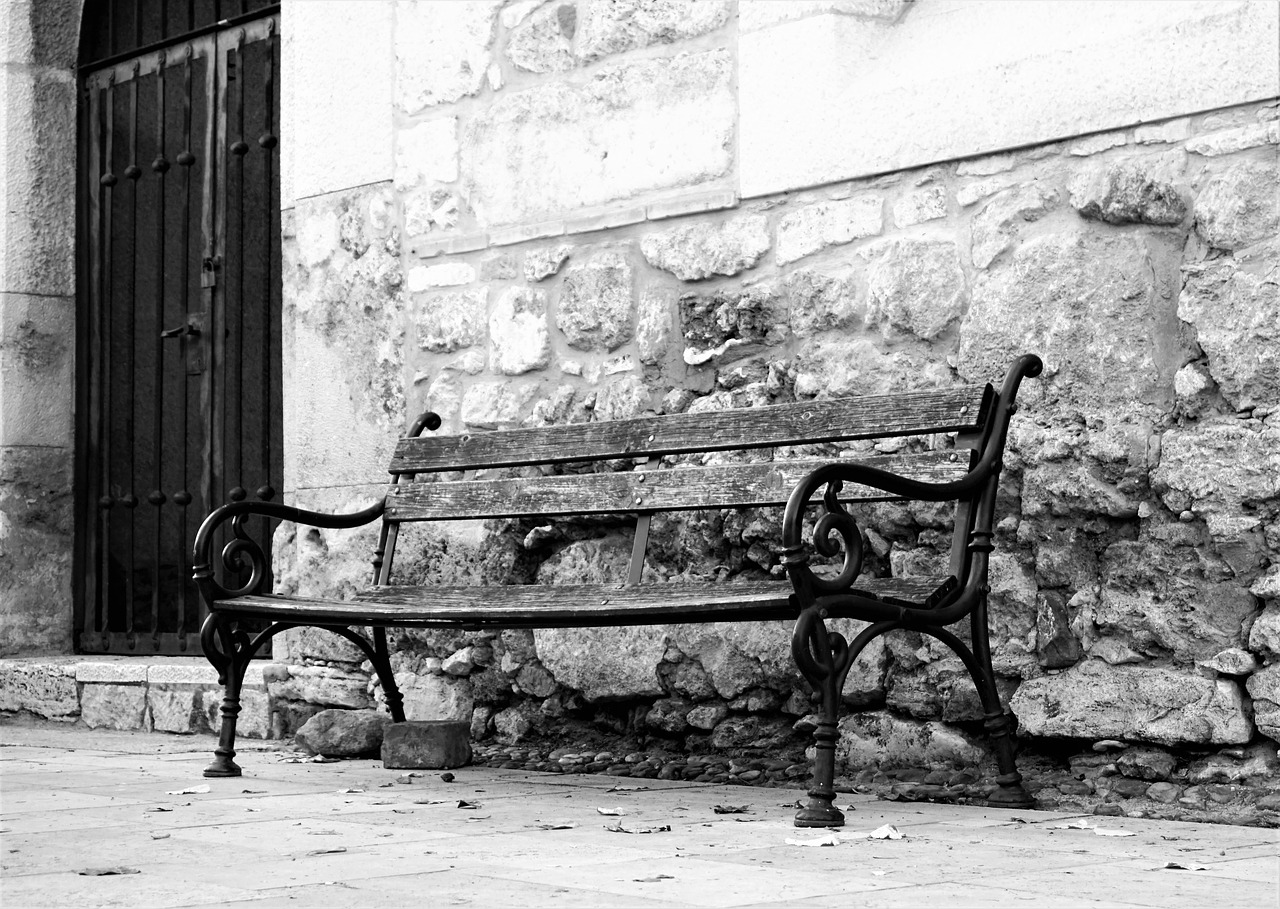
[188, 329]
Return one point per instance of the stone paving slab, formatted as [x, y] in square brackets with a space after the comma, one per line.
[353, 833]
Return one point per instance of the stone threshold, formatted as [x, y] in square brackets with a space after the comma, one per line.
[152, 693]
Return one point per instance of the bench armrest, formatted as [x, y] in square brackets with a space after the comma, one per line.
[242, 547]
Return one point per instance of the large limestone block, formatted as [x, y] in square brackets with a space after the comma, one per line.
[175, 708]
[449, 322]
[1031, 72]
[1091, 305]
[435, 697]
[343, 733]
[1151, 704]
[622, 25]
[642, 127]
[323, 148]
[881, 739]
[819, 302]
[858, 366]
[816, 227]
[1127, 193]
[604, 663]
[1234, 305]
[321, 685]
[47, 689]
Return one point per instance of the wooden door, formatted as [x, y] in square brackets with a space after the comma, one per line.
[179, 360]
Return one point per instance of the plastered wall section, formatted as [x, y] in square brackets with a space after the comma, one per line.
[37, 323]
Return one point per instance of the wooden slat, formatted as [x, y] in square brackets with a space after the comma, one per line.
[681, 488]
[841, 419]
[548, 606]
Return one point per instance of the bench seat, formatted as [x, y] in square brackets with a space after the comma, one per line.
[573, 606]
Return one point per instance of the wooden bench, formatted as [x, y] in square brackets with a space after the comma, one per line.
[642, 467]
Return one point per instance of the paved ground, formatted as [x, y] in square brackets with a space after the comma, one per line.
[75, 803]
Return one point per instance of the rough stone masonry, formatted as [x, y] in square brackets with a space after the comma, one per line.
[563, 242]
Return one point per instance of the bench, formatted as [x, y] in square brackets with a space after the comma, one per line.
[645, 466]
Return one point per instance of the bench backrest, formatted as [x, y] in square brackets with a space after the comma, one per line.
[650, 486]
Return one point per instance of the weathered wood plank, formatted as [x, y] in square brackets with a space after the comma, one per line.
[547, 606]
[671, 489]
[949, 410]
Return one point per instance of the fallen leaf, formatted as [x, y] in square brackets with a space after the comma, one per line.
[428, 801]
[628, 789]
[1174, 866]
[402, 811]
[446, 777]
[618, 828]
[159, 836]
[1100, 831]
[332, 851]
[103, 872]
[611, 812]
[348, 791]
[252, 791]
[654, 879]
[194, 790]
[254, 810]
[159, 808]
[324, 759]
[323, 833]
[465, 804]
[564, 826]
[732, 809]
[878, 873]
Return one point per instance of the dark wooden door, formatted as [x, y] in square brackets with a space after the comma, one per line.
[179, 361]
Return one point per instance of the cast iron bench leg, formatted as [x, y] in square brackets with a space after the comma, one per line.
[231, 663]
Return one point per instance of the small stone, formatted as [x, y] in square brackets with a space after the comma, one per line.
[1130, 789]
[426, 744]
[543, 263]
[1109, 810]
[343, 733]
[1146, 764]
[1166, 793]
[1076, 787]
[1106, 745]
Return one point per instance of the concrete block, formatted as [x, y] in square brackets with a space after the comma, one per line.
[426, 744]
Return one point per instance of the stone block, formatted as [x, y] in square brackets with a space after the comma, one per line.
[1238, 206]
[452, 321]
[1091, 306]
[120, 671]
[353, 37]
[448, 274]
[919, 206]
[641, 127]
[1000, 222]
[442, 52]
[45, 688]
[489, 405]
[597, 304]
[915, 288]
[1230, 141]
[321, 685]
[343, 733]
[519, 340]
[1139, 703]
[623, 25]
[37, 517]
[654, 319]
[816, 227]
[1127, 193]
[434, 697]
[540, 264]
[426, 745]
[703, 248]
[37, 341]
[1032, 73]
[108, 706]
[1215, 467]
[176, 708]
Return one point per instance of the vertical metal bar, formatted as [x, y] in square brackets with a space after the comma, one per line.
[239, 148]
[214, 237]
[182, 497]
[130, 501]
[268, 142]
[106, 182]
[93, 364]
[157, 498]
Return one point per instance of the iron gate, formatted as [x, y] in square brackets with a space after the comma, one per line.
[179, 360]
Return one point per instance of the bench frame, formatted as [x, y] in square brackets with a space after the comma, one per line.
[823, 656]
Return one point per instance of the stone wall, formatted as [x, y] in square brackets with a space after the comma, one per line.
[594, 210]
[37, 322]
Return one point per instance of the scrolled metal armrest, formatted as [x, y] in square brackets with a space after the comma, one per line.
[242, 547]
